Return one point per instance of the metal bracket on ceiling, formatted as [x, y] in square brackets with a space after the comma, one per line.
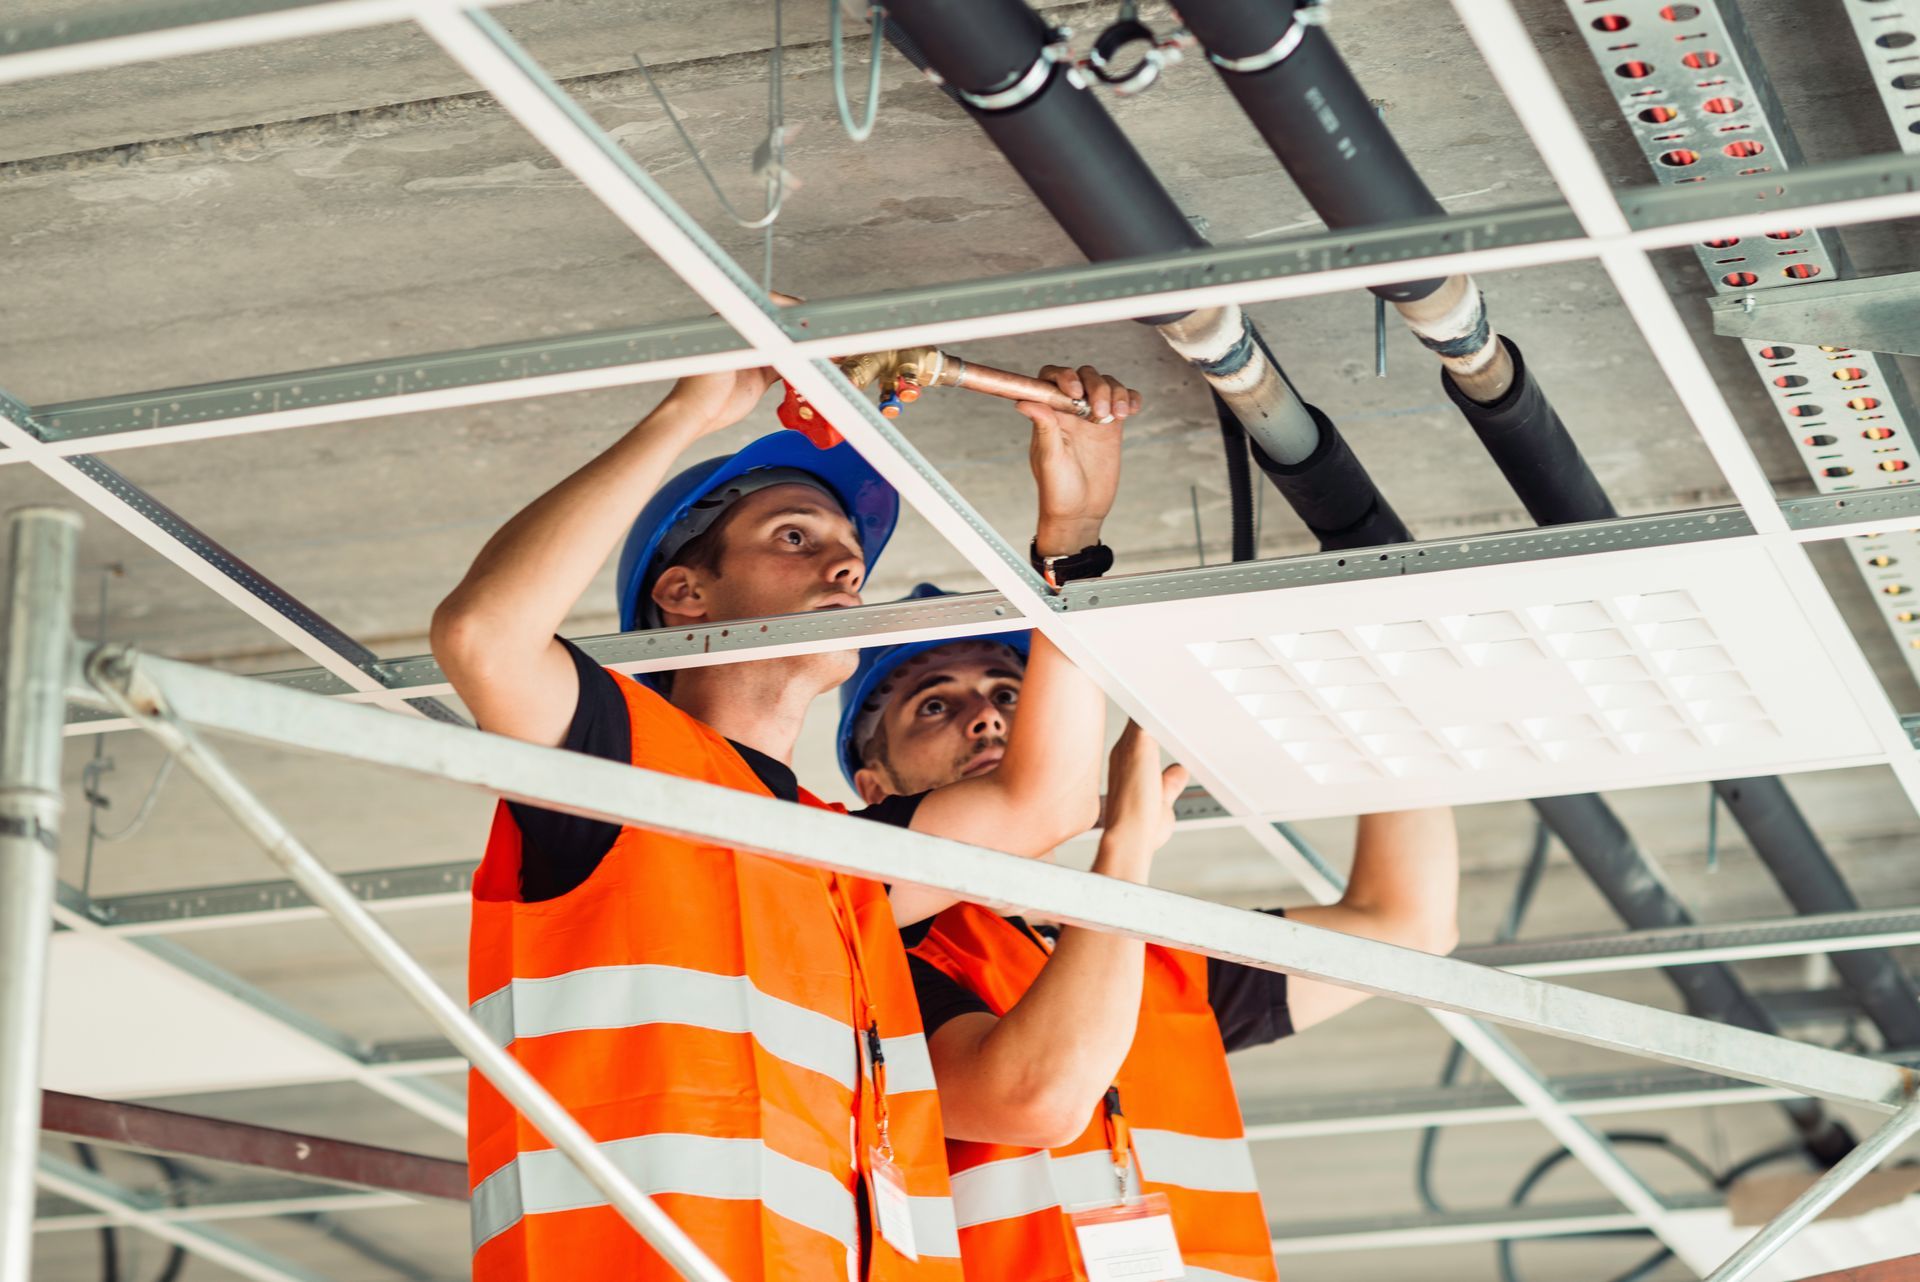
[1877, 314]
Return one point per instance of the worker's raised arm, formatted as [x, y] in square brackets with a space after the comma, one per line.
[1405, 890]
[1033, 1076]
[494, 634]
[1046, 788]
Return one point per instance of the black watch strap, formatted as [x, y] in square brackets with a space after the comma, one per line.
[1087, 563]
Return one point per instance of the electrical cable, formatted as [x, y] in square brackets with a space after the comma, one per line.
[1720, 1182]
[864, 130]
[109, 1236]
[1523, 892]
[1239, 478]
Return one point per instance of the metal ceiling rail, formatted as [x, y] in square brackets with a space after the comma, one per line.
[1384, 1232]
[1267, 270]
[178, 541]
[425, 1099]
[126, 1207]
[1584, 1095]
[89, 41]
[964, 614]
[243, 1203]
[1721, 941]
[561, 780]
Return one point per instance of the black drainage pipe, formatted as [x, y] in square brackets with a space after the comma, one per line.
[997, 58]
[1531, 447]
[1632, 884]
[1785, 842]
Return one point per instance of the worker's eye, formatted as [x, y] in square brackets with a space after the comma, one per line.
[1007, 696]
[793, 536]
[934, 708]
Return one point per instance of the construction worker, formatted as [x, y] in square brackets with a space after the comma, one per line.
[1083, 1073]
[740, 1033]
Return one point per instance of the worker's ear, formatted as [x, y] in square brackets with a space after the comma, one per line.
[866, 782]
[677, 593]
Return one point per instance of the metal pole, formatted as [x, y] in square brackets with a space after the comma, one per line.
[1824, 1192]
[111, 673]
[560, 780]
[33, 707]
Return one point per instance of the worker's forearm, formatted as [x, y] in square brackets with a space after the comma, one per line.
[1054, 750]
[531, 573]
[1069, 1033]
[1406, 867]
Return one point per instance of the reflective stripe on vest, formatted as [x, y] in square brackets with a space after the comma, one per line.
[703, 1013]
[700, 1166]
[1040, 1181]
[630, 996]
[1177, 1093]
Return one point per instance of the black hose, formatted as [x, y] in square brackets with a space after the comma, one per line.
[1783, 839]
[1523, 892]
[1332, 492]
[177, 1258]
[1722, 1181]
[1233, 437]
[109, 1237]
[1532, 449]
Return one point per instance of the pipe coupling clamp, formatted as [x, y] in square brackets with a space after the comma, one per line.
[1029, 82]
[1274, 54]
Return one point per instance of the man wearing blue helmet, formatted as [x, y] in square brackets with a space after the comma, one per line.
[723, 1022]
[1036, 1034]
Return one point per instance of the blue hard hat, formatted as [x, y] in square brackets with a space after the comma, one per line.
[869, 502]
[877, 663]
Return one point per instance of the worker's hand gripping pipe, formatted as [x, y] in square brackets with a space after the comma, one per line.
[902, 375]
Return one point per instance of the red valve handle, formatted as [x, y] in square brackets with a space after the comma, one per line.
[795, 412]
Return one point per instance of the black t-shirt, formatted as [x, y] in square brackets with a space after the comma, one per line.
[1249, 1004]
[560, 851]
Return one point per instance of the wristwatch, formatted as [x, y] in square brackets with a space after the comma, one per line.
[1087, 563]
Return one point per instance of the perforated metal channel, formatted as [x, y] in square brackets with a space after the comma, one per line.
[1889, 35]
[1698, 110]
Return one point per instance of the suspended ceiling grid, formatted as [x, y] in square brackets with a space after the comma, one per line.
[973, 460]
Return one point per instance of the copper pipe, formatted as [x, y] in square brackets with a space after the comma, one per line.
[906, 371]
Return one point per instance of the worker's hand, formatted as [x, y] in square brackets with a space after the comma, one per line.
[712, 402]
[1076, 461]
[1140, 795]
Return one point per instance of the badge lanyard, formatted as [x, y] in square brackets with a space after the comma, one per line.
[892, 1207]
[1128, 1239]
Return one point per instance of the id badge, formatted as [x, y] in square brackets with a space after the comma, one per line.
[892, 1208]
[1129, 1241]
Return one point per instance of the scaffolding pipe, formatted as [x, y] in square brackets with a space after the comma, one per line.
[1633, 885]
[33, 709]
[1824, 1192]
[1008, 69]
[112, 673]
[1786, 843]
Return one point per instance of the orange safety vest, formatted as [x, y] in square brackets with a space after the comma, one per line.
[704, 1013]
[1180, 1109]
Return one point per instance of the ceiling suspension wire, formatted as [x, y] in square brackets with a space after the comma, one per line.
[769, 158]
[835, 20]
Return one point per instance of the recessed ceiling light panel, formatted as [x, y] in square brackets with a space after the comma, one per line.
[1615, 670]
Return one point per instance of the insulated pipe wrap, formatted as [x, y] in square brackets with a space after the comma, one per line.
[1318, 121]
[1786, 843]
[1601, 845]
[1333, 494]
[1531, 447]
